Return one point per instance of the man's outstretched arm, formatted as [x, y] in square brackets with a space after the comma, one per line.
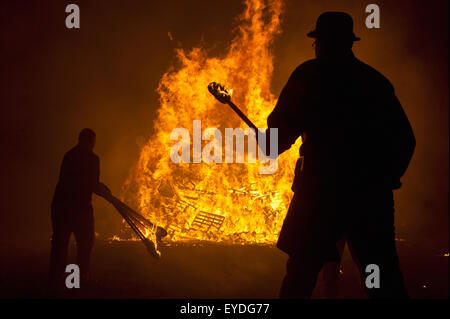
[99, 188]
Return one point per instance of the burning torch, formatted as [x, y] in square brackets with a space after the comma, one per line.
[223, 96]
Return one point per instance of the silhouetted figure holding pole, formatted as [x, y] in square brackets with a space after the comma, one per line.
[72, 210]
[357, 144]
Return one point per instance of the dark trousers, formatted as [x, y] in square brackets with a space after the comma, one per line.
[64, 223]
[371, 238]
[331, 270]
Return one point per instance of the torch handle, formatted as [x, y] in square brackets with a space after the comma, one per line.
[243, 116]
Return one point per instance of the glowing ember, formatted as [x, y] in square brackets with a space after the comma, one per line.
[115, 238]
[250, 207]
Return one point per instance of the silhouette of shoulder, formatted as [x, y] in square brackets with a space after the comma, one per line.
[95, 156]
[75, 154]
[374, 77]
[314, 69]
[306, 70]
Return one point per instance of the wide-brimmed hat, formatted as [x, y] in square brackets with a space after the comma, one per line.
[334, 25]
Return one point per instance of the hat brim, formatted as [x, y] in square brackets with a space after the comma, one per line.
[314, 34]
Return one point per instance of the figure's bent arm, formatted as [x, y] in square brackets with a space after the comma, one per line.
[99, 188]
[287, 115]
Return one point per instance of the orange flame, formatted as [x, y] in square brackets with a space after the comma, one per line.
[248, 207]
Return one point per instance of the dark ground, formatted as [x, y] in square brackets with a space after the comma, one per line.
[125, 270]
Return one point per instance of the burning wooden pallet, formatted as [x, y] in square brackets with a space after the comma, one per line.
[205, 221]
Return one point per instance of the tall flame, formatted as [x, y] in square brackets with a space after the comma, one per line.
[248, 207]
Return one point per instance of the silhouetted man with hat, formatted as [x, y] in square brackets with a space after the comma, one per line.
[72, 210]
[357, 144]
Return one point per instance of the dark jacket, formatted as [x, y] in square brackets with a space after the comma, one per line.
[78, 179]
[358, 145]
[357, 133]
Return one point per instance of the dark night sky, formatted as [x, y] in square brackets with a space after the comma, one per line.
[55, 81]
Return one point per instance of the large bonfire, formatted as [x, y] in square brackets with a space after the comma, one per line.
[221, 203]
